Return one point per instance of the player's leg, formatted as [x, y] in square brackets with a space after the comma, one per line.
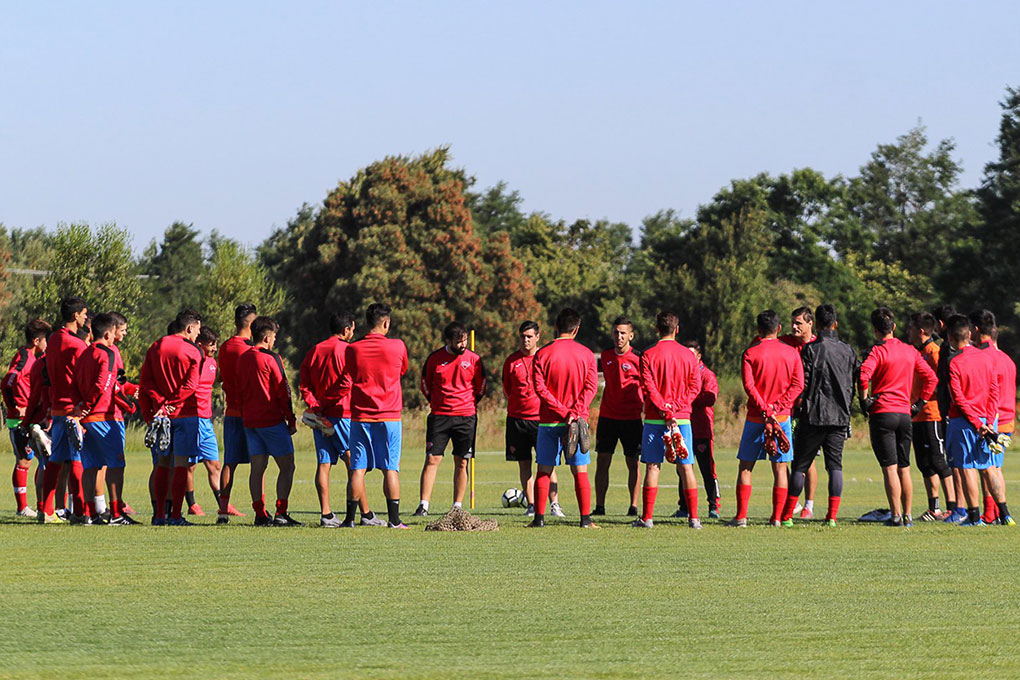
[606, 435]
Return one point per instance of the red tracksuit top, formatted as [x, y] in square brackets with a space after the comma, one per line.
[375, 364]
[170, 374]
[521, 400]
[38, 407]
[973, 386]
[62, 351]
[670, 380]
[453, 383]
[621, 398]
[17, 383]
[773, 377]
[566, 379]
[890, 367]
[322, 381]
[703, 408]
[203, 393]
[265, 392]
[95, 376]
[229, 354]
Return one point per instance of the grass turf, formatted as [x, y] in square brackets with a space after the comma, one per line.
[856, 600]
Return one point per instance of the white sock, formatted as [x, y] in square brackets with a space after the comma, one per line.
[425, 504]
[809, 505]
[458, 505]
[100, 504]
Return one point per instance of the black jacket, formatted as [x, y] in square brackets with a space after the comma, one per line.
[830, 372]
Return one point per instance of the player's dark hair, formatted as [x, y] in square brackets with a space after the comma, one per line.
[666, 323]
[528, 326]
[375, 314]
[70, 307]
[958, 327]
[36, 328]
[883, 321]
[825, 315]
[174, 327]
[567, 321]
[693, 344]
[207, 336]
[188, 317]
[983, 320]
[923, 321]
[243, 313]
[804, 312]
[118, 318]
[622, 320]
[261, 327]
[767, 322]
[101, 324]
[340, 321]
[454, 331]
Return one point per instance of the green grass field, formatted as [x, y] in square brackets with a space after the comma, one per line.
[859, 601]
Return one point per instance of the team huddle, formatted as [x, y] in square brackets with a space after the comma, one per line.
[66, 396]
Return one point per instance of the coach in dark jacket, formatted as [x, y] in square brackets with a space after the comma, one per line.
[830, 371]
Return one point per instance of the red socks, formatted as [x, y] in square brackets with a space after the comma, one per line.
[281, 506]
[779, 496]
[178, 490]
[160, 487]
[19, 479]
[692, 502]
[542, 482]
[50, 480]
[791, 503]
[582, 488]
[743, 500]
[648, 494]
[833, 507]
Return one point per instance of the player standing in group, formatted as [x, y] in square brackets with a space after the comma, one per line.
[670, 381]
[235, 447]
[566, 380]
[321, 388]
[168, 381]
[830, 367]
[973, 408]
[374, 366]
[269, 422]
[1005, 375]
[522, 409]
[802, 333]
[886, 382]
[929, 432]
[16, 389]
[773, 378]
[63, 349]
[703, 432]
[619, 414]
[453, 381]
[201, 405]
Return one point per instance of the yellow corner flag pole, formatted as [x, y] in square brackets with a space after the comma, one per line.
[471, 465]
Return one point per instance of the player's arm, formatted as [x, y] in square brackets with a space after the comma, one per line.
[651, 390]
[542, 390]
[973, 412]
[306, 383]
[753, 395]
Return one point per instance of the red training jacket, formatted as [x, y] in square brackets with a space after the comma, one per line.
[229, 354]
[265, 392]
[622, 398]
[703, 408]
[773, 377]
[95, 376]
[62, 351]
[521, 400]
[670, 380]
[169, 375]
[17, 385]
[453, 383]
[973, 386]
[890, 367]
[322, 379]
[375, 364]
[566, 380]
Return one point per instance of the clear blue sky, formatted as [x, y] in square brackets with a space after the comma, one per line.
[230, 115]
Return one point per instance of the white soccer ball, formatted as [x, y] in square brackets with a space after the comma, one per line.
[513, 498]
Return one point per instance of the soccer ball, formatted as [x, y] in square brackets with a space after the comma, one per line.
[513, 498]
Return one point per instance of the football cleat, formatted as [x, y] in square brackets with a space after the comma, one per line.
[373, 521]
[555, 510]
[196, 510]
[694, 523]
[642, 523]
[282, 519]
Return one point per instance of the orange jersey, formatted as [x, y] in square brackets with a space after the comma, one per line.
[930, 412]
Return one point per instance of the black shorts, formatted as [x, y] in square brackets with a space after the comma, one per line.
[890, 438]
[439, 430]
[521, 437]
[809, 438]
[930, 449]
[608, 431]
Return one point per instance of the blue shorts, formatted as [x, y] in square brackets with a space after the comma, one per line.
[966, 447]
[752, 443]
[549, 449]
[376, 445]
[235, 445]
[329, 449]
[208, 448]
[103, 444]
[61, 450]
[274, 441]
[653, 448]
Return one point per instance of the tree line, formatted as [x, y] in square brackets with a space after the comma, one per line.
[416, 233]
